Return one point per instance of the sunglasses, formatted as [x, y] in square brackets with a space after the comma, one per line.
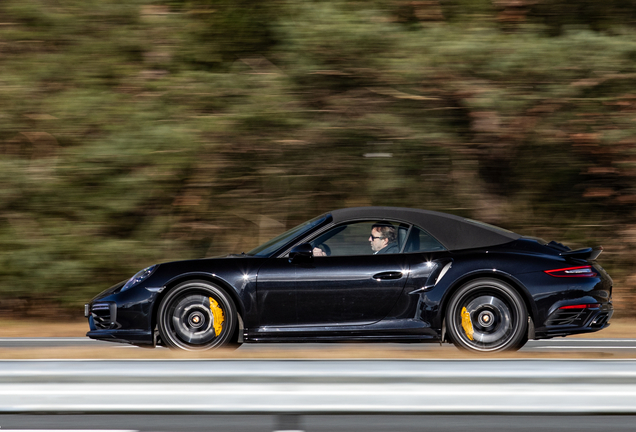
[374, 237]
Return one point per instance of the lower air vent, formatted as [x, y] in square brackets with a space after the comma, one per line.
[565, 317]
[104, 315]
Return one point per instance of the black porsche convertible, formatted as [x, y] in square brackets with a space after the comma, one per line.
[373, 274]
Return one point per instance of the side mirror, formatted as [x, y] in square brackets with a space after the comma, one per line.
[302, 252]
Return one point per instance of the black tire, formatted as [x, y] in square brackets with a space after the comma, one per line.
[487, 315]
[186, 317]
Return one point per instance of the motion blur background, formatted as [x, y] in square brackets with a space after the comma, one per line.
[139, 131]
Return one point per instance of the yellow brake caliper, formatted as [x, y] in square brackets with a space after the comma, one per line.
[217, 314]
[467, 323]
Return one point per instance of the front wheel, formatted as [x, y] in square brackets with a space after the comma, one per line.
[487, 315]
[196, 315]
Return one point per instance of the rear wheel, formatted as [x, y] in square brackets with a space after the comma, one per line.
[196, 315]
[487, 315]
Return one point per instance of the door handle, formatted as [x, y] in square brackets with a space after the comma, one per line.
[387, 275]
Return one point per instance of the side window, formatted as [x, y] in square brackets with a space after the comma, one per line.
[356, 238]
[421, 241]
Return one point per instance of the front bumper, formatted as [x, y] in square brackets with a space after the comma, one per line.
[117, 316]
[134, 337]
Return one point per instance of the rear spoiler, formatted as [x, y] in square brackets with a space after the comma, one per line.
[588, 253]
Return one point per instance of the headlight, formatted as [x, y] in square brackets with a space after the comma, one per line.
[144, 274]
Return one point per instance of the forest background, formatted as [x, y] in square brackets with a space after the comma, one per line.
[137, 131]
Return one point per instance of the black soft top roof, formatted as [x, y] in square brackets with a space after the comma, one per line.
[453, 232]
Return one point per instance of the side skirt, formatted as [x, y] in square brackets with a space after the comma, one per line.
[327, 339]
[403, 330]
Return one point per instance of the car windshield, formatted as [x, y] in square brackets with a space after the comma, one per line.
[276, 243]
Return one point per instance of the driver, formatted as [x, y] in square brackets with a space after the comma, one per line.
[383, 239]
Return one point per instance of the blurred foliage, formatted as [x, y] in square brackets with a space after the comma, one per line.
[141, 131]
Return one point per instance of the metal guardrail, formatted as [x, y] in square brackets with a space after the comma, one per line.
[319, 387]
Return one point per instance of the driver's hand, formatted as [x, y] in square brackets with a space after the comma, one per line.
[319, 252]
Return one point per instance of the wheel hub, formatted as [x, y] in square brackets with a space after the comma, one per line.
[486, 319]
[192, 320]
[196, 319]
[493, 320]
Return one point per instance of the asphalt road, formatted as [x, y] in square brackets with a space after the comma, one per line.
[317, 423]
[558, 345]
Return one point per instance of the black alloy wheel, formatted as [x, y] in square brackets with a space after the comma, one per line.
[487, 315]
[197, 315]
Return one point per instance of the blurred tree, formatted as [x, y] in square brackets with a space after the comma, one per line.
[222, 31]
[143, 131]
[558, 14]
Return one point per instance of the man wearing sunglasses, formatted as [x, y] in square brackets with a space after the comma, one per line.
[383, 239]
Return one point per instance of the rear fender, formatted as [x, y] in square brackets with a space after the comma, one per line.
[454, 285]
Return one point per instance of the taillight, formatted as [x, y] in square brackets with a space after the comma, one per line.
[582, 271]
[582, 306]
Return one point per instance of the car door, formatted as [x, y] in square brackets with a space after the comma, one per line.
[350, 286]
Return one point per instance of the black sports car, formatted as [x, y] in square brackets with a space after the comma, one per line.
[374, 274]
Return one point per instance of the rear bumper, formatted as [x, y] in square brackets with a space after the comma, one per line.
[569, 322]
